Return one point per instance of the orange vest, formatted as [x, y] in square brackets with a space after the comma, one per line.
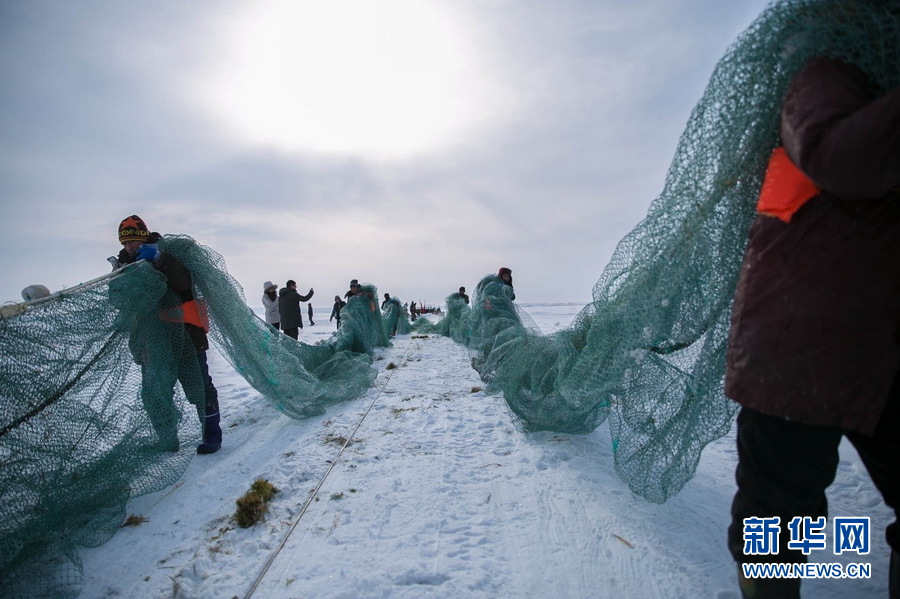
[191, 312]
[785, 187]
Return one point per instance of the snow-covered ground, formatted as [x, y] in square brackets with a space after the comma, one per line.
[427, 487]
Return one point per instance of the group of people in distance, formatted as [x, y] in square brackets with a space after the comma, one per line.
[282, 307]
[282, 311]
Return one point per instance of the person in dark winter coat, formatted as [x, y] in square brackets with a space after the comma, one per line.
[461, 295]
[498, 287]
[336, 310]
[814, 346]
[309, 312]
[505, 275]
[140, 244]
[289, 308]
[270, 304]
[356, 289]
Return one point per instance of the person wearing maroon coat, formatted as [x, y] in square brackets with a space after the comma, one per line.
[814, 345]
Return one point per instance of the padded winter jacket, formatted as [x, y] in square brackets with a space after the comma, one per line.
[289, 307]
[815, 330]
[178, 279]
[273, 316]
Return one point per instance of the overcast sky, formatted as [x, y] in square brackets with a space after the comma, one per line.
[413, 144]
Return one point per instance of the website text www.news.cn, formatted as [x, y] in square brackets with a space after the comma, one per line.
[851, 535]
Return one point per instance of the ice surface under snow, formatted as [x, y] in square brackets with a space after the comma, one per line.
[439, 493]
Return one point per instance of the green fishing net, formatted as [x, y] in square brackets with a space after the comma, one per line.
[395, 317]
[362, 327]
[454, 323]
[75, 441]
[648, 353]
[299, 380]
[91, 415]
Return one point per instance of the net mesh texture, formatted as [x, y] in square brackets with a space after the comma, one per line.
[84, 372]
[648, 353]
[98, 393]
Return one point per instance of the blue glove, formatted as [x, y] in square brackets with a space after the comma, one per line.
[148, 252]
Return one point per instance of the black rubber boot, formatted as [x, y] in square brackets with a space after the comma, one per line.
[212, 435]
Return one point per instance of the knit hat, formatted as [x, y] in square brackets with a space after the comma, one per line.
[354, 283]
[269, 285]
[133, 229]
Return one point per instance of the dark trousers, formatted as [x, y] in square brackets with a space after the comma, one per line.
[293, 332]
[210, 393]
[784, 468]
[158, 390]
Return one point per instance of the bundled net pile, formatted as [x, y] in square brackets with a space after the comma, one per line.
[76, 439]
[362, 327]
[649, 351]
[455, 323]
[395, 317]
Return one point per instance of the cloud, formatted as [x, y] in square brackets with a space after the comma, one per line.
[583, 105]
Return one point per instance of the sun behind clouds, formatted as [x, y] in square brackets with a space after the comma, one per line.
[384, 79]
